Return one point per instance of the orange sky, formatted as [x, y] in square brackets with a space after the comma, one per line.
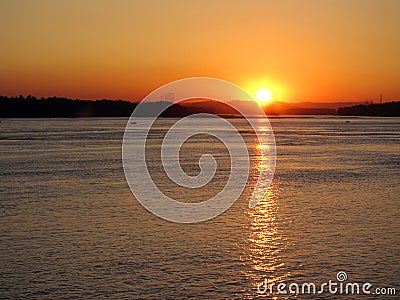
[301, 50]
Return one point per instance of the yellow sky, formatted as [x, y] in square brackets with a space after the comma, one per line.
[301, 50]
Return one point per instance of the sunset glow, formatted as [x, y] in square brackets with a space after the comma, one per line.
[312, 51]
[174, 149]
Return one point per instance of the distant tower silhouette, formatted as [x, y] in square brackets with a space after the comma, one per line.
[380, 99]
[169, 97]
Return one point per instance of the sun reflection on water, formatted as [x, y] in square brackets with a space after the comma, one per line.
[265, 243]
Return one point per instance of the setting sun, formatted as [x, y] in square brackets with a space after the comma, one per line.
[264, 95]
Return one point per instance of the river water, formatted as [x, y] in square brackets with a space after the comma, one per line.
[71, 228]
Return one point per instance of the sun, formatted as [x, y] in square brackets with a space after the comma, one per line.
[264, 95]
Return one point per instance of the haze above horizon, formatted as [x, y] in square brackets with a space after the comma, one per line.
[314, 51]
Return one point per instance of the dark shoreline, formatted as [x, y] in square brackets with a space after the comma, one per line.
[53, 107]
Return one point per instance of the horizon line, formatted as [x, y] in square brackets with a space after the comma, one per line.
[369, 101]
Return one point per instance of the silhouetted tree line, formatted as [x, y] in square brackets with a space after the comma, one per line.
[55, 107]
[388, 109]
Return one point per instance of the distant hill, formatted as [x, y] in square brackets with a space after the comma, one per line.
[305, 108]
[331, 105]
[251, 108]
